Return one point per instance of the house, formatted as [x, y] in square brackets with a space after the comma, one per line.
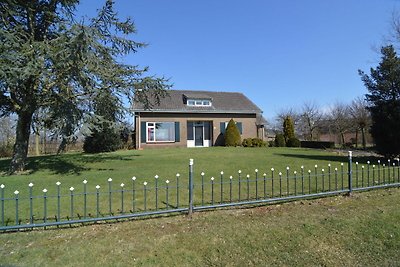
[195, 119]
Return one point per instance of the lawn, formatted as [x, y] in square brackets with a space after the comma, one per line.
[359, 230]
[362, 230]
[72, 169]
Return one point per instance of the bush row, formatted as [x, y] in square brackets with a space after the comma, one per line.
[253, 142]
[294, 142]
[317, 144]
[281, 142]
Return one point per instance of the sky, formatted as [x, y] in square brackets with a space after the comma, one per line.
[280, 54]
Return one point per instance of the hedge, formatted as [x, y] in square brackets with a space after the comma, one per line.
[317, 144]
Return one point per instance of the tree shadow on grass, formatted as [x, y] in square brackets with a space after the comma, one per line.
[55, 164]
[333, 158]
[65, 164]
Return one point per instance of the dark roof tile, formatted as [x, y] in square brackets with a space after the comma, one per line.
[175, 101]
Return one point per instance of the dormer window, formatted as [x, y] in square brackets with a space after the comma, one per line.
[199, 102]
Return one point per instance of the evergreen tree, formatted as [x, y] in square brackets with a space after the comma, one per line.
[52, 61]
[105, 135]
[232, 134]
[288, 128]
[383, 85]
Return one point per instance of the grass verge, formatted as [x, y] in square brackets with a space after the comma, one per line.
[361, 230]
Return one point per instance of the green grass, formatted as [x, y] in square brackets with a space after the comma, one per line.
[362, 230]
[72, 169]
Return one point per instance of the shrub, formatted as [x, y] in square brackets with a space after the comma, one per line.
[293, 142]
[254, 142]
[247, 142]
[257, 142]
[232, 135]
[102, 141]
[271, 143]
[280, 140]
[317, 144]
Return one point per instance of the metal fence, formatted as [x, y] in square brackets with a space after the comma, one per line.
[59, 205]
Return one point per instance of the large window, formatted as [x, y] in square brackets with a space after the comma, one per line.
[225, 124]
[160, 132]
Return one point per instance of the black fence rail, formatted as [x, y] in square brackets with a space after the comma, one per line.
[59, 205]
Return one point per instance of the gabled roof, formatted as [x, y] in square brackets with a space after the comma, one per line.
[222, 102]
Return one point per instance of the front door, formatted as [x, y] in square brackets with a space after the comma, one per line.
[198, 135]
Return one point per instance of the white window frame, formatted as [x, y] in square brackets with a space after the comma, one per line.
[198, 102]
[152, 125]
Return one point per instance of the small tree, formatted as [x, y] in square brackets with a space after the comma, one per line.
[288, 128]
[340, 120]
[294, 115]
[310, 120]
[232, 134]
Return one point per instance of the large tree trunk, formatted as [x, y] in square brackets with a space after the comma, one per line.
[23, 131]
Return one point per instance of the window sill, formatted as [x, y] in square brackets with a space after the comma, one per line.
[159, 142]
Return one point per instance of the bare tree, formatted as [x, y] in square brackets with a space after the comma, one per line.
[394, 32]
[339, 117]
[7, 130]
[361, 118]
[310, 120]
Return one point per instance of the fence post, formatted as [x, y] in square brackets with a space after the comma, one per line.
[190, 187]
[30, 203]
[16, 207]
[350, 173]
[2, 204]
